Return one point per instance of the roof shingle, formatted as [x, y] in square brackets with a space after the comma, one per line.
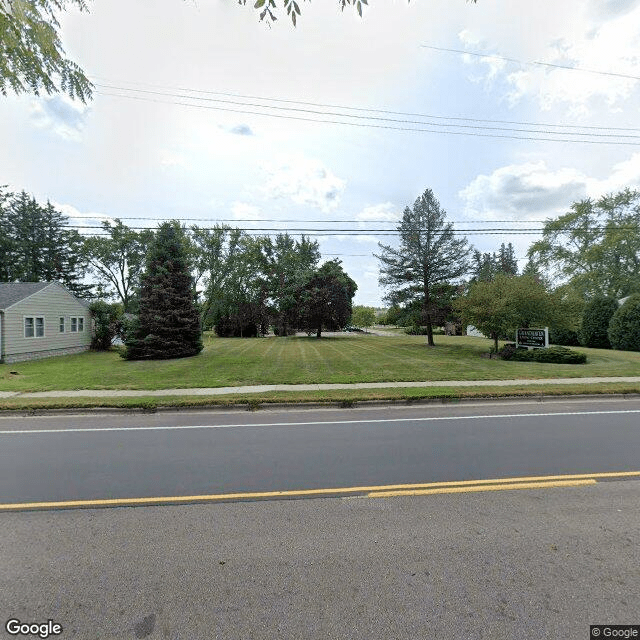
[12, 292]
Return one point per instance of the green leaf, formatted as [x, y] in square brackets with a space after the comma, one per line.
[258, 4]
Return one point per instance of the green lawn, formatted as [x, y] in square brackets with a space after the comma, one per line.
[343, 359]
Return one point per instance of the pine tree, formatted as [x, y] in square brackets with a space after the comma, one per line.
[37, 246]
[429, 255]
[168, 325]
[506, 260]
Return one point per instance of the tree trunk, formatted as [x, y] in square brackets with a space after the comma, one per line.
[495, 338]
[430, 342]
[427, 315]
[319, 333]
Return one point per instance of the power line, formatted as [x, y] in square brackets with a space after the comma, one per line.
[532, 62]
[367, 118]
[367, 109]
[301, 220]
[370, 125]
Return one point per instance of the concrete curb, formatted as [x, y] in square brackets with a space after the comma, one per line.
[261, 406]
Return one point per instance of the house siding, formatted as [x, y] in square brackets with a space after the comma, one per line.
[51, 303]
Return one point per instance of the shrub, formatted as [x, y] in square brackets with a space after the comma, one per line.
[416, 331]
[595, 323]
[554, 355]
[507, 352]
[559, 355]
[566, 337]
[624, 328]
[107, 324]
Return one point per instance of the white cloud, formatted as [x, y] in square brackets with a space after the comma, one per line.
[624, 174]
[523, 191]
[87, 220]
[534, 191]
[303, 180]
[63, 116]
[172, 159]
[245, 211]
[608, 45]
[385, 211]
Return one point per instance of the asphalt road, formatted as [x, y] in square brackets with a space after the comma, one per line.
[189, 454]
[537, 565]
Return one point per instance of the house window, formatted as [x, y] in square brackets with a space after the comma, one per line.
[74, 325]
[80, 324]
[34, 327]
[61, 325]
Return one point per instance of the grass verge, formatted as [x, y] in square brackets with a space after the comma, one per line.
[346, 397]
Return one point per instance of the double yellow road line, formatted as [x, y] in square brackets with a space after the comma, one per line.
[382, 491]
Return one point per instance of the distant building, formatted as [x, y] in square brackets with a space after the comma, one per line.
[41, 319]
[472, 331]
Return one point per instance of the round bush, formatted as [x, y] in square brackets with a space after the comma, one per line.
[624, 328]
[595, 323]
[565, 337]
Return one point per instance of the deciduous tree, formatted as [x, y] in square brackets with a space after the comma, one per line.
[326, 299]
[117, 260]
[596, 246]
[499, 307]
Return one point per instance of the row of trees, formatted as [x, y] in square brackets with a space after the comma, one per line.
[592, 251]
[242, 283]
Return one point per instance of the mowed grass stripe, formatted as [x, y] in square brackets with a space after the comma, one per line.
[302, 360]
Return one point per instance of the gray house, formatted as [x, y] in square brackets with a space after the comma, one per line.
[41, 319]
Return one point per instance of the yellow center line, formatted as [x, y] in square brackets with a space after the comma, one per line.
[495, 487]
[405, 489]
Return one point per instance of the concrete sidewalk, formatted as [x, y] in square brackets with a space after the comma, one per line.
[219, 391]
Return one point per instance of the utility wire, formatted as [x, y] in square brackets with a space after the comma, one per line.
[533, 62]
[365, 109]
[317, 112]
[369, 125]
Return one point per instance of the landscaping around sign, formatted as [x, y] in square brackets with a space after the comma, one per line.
[538, 338]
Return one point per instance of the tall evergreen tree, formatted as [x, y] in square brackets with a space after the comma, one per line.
[429, 255]
[506, 261]
[37, 246]
[168, 325]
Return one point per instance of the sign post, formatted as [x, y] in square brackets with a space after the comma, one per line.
[532, 338]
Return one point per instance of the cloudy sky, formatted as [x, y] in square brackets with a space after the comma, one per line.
[203, 113]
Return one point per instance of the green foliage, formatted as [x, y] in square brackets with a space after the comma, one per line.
[596, 246]
[624, 328]
[108, 324]
[269, 9]
[553, 355]
[485, 266]
[500, 307]
[282, 266]
[595, 322]
[36, 246]
[363, 316]
[565, 337]
[117, 260]
[31, 55]
[168, 325]
[429, 255]
[325, 299]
